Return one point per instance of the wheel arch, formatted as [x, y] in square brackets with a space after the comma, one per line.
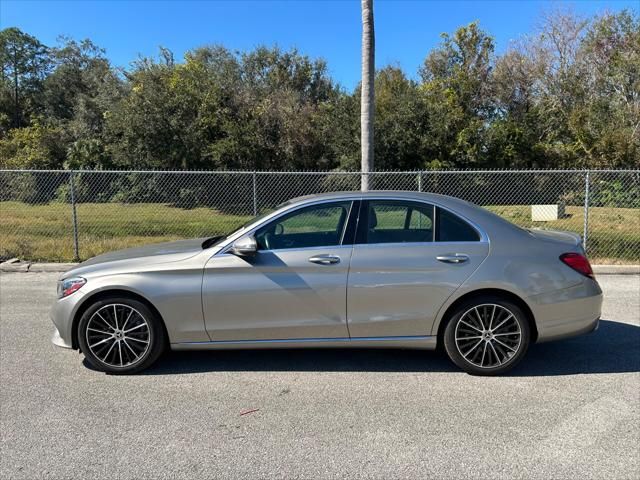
[105, 294]
[498, 292]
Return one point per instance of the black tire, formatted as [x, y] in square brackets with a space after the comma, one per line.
[120, 360]
[507, 345]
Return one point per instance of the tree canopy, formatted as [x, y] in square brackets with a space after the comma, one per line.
[567, 95]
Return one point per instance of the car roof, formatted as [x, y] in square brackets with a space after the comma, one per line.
[424, 196]
[391, 194]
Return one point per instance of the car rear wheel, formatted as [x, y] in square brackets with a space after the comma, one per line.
[120, 335]
[487, 336]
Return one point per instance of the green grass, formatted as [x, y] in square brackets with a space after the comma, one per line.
[44, 232]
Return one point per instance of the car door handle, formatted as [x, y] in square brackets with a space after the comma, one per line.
[325, 259]
[455, 258]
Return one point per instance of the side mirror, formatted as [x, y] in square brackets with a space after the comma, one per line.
[245, 246]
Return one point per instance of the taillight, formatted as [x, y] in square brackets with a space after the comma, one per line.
[578, 262]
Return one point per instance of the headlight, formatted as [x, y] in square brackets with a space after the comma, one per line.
[69, 285]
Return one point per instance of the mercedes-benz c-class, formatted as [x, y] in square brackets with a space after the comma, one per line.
[373, 269]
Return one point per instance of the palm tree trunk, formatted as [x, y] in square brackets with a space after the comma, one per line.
[367, 92]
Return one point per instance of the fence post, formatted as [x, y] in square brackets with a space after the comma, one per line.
[585, 232]
[420, 181]
[74, 216]
[255, 195]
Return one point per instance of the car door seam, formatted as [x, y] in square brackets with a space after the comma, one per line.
[437, 319]
[204, 318]
[346, 285]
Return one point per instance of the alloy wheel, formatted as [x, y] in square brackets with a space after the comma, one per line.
[118, 335]
[488, 335]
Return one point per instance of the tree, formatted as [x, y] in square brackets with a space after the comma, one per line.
[367, 94]
[568, 96]
[608, 125]
[400, 121]
[25, 63]
[36, 146]
[77, 97]
[515, 138]
[456, 85]
[265, 110]
[564, 96]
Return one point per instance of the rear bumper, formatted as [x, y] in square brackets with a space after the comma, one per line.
[572, 331]
[569, 312]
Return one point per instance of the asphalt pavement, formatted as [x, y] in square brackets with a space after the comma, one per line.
[571, 409]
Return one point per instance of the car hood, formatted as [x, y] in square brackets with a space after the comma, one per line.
[135, 258]
[557, 236]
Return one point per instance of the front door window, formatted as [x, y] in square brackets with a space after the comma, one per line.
[310, 227]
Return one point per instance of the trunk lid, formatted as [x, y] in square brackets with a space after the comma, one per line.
[557, 236]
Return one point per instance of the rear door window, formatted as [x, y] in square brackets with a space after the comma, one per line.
[394, 221]
[451, 228]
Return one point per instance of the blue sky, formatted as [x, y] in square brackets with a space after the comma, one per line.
[405, 30]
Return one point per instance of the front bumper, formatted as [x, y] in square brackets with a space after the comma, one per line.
[62, 314]
[58, 341]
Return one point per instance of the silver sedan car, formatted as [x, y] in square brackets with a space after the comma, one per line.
[374, 269]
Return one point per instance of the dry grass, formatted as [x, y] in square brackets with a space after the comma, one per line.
[601, 219]
[44, 232]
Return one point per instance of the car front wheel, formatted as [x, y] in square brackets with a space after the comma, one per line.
[120, 335]
[487, 336]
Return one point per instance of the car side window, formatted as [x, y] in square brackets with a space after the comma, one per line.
[395, 221]
[451, 228]
[314, 226]
[419, 220]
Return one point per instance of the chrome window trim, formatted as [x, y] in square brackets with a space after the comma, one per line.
[295, 249]
[275, 215]
[484, 238]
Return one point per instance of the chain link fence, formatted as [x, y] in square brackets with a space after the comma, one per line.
[67, 215]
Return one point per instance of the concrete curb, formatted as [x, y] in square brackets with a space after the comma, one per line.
[616, 269]
[25, 267]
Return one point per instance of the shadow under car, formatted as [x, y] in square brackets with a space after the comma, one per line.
[613, 348]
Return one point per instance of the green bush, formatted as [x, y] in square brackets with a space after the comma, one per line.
[615, 193]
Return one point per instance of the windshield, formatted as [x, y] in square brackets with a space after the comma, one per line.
[219, 239]
[246, 224]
